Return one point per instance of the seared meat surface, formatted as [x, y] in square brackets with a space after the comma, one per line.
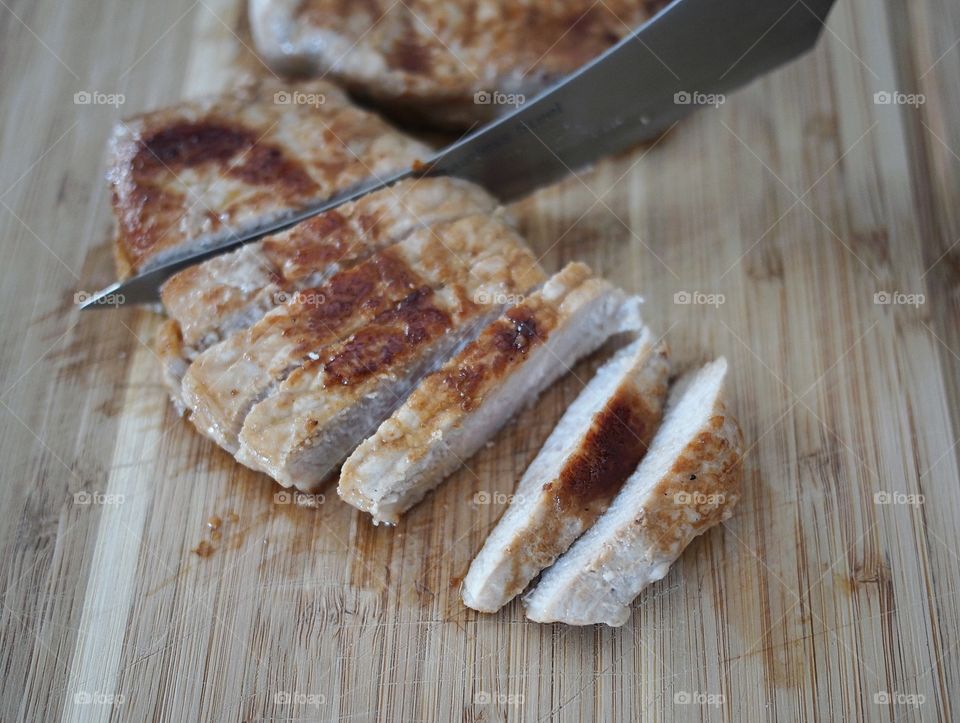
[444, 62]
[183, 177]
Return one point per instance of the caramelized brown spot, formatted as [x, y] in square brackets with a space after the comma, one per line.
[368, 223]
[308, 246]
[392, 335]
[612, 449]
[149, 211]
[465, 382]
[189, 144]
[268, 165]
[504, 343]
[410, 55]
[192, 144]
[362, 291]
[518, 332]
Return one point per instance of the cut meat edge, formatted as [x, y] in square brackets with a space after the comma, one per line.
[597, 444]
[688, 482]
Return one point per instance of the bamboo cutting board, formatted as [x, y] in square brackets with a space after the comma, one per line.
[148, 576]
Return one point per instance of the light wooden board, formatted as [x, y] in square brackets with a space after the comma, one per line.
[798, 200]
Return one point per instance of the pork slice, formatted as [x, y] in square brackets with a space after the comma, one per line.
[457, 409]
[688, 482]
[227, 379]
[318, 415]
[594, 448]
[215, 299]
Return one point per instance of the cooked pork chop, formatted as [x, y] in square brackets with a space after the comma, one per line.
[688, 482]
[324, 409]
[597, 444]
[227, 379]
[183, 177]
[457, 409]
[228, 293]
[442, 61]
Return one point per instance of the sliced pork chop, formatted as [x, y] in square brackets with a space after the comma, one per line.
[324, 409]
[228, 293]
[688, 482]
[457, 409]
[227, 379]
[442, 62]
[594, 448]
[184, 177]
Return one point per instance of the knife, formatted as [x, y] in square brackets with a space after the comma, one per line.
[689, 53]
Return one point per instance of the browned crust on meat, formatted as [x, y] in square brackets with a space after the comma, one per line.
[182, 283]
[438, 55]
[309, 246]
[503, 345]
[203, 167]
[705, 477]
[618, 438]
[392, 336]
[314, 315]
[168, 342]
[151, 210]
[309, 252]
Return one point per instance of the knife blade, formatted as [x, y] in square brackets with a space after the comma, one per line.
[634, 91]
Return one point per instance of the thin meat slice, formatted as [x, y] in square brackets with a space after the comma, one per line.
[324, 409]
[230, 292]
[184, 177]
[457, 409]
[688, 482]
[227, 379]
[594, 448]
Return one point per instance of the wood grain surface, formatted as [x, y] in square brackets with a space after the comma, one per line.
[832, 594]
